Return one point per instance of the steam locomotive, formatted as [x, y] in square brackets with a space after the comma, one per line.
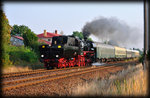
[70, 51]
[67, 51]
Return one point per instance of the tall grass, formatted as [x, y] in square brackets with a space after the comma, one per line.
[135, 86]
[130, 82]
[15, 69]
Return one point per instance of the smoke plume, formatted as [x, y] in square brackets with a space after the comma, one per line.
[114, 31]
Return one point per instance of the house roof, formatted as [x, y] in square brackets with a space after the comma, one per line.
[43, 41]
[49, 35]
[39, 40]
[18, 37]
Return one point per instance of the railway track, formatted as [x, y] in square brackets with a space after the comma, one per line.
[64, 73]
[17, 74]
[8, 85]
[39, 71]
[36, 78]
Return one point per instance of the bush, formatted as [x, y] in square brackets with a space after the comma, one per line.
[22, 53]
[6, 60]
[35, 48]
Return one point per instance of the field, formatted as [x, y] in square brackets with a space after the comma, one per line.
[130, 82]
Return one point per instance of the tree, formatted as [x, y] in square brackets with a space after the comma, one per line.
[29, 38]
[19, 30]
[90, 39]
[5, 30]
[80, 35]
[5, 38]
[31, 41]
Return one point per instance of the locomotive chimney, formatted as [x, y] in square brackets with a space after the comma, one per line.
[45, 33]
[55, 31]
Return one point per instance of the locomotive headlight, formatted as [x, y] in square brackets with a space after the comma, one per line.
[59, 46]
[42, 55]
[43, 46]
[57, 56]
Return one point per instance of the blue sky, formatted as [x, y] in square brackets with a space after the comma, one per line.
[69, 17]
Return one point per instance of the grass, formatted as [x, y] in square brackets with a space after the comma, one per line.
[25, 66]
[16, 69]
[130, 82]
[135, 86]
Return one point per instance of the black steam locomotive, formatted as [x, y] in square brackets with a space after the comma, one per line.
[67, 51]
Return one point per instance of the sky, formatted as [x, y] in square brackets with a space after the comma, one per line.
[71, 16]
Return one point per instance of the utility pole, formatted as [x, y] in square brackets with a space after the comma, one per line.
[146, 33]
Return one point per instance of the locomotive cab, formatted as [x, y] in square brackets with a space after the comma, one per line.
[66, 45]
